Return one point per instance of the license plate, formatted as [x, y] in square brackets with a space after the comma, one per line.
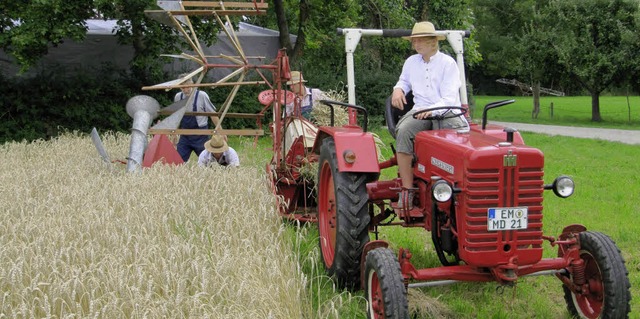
[506, 218]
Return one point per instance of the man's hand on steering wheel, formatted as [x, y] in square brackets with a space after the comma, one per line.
[421, 115]
[428, 114]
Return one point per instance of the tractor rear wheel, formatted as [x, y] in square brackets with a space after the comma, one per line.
[343, 217]
[385, 291]
[607, 283]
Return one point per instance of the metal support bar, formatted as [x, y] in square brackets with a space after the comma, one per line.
[449, 282]
[243, 132]
[433, 283]
[352, 37]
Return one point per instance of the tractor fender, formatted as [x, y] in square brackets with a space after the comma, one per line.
[351, 138]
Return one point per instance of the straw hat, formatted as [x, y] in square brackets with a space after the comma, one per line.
[424, 29]
[296, 77]
[216, 144]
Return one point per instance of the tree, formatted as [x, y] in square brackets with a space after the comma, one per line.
[538, 62]
[28, 28]
[595, 41]
[512, 45]
[320, 52]
[449, 15]
[148, 37]
[283, 26]
[314, 23]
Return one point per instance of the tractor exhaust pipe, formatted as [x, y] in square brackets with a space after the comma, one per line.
[143, 109]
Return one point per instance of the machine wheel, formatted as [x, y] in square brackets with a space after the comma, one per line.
[385, 291]
[606, 277]
[343, 218]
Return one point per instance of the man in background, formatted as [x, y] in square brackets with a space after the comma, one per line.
[307, 96]
[201, 103]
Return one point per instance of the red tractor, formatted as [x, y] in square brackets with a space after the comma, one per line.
[479, 193]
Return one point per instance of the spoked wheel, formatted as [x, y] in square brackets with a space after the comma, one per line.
[606, 290]
[385, 291]
[343, 218]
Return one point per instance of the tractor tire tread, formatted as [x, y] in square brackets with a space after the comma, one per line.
[387, 268]
[614, 276]
[353, 218]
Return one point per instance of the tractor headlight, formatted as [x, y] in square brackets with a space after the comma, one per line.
[441, 191]
[562, 186]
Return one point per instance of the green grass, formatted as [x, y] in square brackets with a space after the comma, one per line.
[567, 110]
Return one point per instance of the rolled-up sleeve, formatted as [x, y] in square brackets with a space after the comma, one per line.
[404, 81]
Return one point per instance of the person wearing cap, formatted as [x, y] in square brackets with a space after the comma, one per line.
[217, 152]
[435, 81]
[306, 96]
[201, 103]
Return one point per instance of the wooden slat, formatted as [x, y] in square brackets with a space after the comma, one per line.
[169, 87]
[226, 4]
[232, 115]
[244, 132]
[212, 12]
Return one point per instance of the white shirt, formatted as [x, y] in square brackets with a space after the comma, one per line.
[434, 83]
[228, 158]
[203, 105]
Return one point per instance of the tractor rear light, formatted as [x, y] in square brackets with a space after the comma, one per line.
[441, 191]
[349, 156]
[563, 186]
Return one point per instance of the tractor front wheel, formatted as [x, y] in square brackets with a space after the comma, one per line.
[343, 217]
[385, 291]
[606, 290]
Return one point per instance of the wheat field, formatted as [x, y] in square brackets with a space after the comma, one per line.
[80, 238]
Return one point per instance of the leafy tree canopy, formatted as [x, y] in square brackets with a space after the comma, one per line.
[28, 28]
[595, 41]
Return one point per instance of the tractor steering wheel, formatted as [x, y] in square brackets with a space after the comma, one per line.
[443, 116]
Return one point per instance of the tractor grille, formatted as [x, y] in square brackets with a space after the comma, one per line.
[503, 187]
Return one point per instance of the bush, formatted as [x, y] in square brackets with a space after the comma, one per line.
[43, 106]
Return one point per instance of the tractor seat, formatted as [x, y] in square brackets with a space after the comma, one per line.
[392, 115]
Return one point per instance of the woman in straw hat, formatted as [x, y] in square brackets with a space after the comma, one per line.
[435, 80]
[216, 151]
[305, 95]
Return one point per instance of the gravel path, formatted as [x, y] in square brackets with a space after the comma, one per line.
[614, 135]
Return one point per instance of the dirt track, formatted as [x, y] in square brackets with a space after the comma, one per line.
[614, 135]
